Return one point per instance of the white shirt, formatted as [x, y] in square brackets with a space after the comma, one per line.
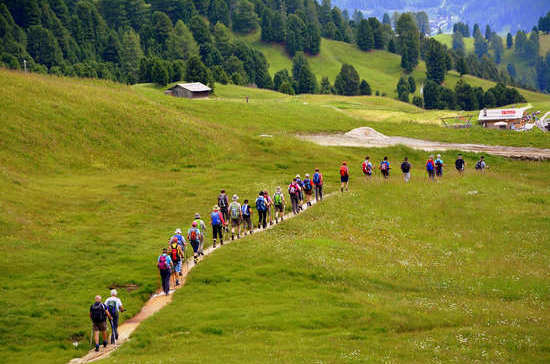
[116, 300]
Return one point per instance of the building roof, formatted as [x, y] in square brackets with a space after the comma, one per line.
[500, 114]
[193, 87]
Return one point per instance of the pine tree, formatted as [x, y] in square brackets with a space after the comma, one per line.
[159, 73]
[461, 66]
[181, 44]
[280, 77]
[458, 43]
[43, 47]
[432, 95]
[412, 84]
[365, 37]
[245, 19]
[326, 88]
[196, 71]
[436, 66]
[347, 81]
[287, 88]
[391, 46]
[218, 11]
[377, 32]
[403, 89]
[409, 41]
[295, 35]
[509, 41]
[364, 88]
[200, 29]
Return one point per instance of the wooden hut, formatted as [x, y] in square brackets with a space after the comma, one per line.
[193, 90]
[501, 118]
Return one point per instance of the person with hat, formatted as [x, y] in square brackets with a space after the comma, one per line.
[300, 191]
[223, 204]
[293, 189]
[261, 207]
[165, 265]
[217, 222]
[236, 217]
[439, 166]
[269, 204]
[344, 177]
[202, 228]
[181, 242]
[176, 254]
[194, 236]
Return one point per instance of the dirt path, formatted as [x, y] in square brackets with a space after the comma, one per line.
[369, 138]
[156, 302]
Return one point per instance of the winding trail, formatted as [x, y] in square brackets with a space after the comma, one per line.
[159, 300]
[370, 138]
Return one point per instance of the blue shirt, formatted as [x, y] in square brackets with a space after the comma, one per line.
[168, 259]
[181, 240]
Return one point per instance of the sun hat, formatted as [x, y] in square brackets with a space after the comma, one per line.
[178, 231]
[197, 216]
[307, 174]
[215, 208]
[235, 198]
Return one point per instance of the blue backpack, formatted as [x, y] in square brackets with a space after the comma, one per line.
[244, 209]
[260, 204]
[316, 178]
[215, 218]
[307, 184]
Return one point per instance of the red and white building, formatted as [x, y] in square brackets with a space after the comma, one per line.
[502, 118]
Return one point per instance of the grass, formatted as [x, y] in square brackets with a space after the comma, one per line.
[447, 39]
[95, 176]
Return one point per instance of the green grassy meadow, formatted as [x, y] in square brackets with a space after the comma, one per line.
[95, 176]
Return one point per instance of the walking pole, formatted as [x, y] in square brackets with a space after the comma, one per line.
[91, 335]
[113, 331]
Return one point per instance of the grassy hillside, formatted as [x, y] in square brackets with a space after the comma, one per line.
[95, 177]
[447, 39]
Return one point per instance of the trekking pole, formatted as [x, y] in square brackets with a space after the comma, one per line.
[91, 336]
[113, 331]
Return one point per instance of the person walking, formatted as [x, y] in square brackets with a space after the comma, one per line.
[406, 169]
[114, 306]
[318, 182]
[261, 206]
[223, 203]
[279, 205]
[181, 242]
[481, 165]
[460, 164]
[269, 203]
[176, 255]
[236, 217]
[202, 228]
[366, 167]
[308, 189]
[430, 167]
[385, 168]
[99, 314]
[344, 177]
[194, 236]
[300, 191]
[439, 166]
[293, 190]
[247, 217]
[165, 265]
[217, 221]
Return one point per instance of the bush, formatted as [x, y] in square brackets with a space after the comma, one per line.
[418, 101]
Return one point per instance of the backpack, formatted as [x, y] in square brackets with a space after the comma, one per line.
[367, 168]
[193, 236]
[216, 218]
[343, 171]
[429, 166]
[222, 201]
[98, 312]
[384, 166]
[235, 210]
[111, 306]
[317, 178]
[260, 204]
[307, 184]
[292, 189]
[278, 199]
[174, 254]
[478, 165]
[244, 209]
[438, 164]
[162, 264]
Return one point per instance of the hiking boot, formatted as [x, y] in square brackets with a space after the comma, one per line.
[96, 347]
[104, 343]
[181, 274]
[196, 260]
[238, 236]
[177, 282]
[221, 242]
[214, 246]
[232, 237]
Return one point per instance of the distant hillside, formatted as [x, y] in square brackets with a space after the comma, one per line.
[501, 15]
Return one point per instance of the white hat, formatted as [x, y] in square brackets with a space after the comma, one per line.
[439, 156]
[178, 231]
[307, 174]
[297, 176]
[235, 198]
[113, 292]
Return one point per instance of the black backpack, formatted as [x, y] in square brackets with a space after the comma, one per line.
[98, 312]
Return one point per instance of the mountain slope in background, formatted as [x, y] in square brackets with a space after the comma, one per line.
[501, 15]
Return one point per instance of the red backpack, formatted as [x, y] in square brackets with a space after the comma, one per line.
[343, 171]
[193, 235]
[162, 265]
[175, 254]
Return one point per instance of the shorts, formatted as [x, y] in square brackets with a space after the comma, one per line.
[247, 222]
[308, 193]
[100, 326]
[385, 173]
[177, 266]
[235, 222]
[279, 208]
[407, 176]
[344, 179]
[439, 172]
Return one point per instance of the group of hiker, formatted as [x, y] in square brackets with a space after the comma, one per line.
[434, 168]
[232, 217]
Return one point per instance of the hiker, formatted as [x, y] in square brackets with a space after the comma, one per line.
[181, 242]
[114, 306]
[218, 222]
[406, 169]
[481, 165]
[223, 203]
[308, 189]
[165, 265]
[176, 255]
[460, 164]
[300, 191]
[99, 315]
[247, 217]
[236, 217]
[439, 166]
[261, 206]
[195, 236]
[269, 203]
[385, 168]
[293, 191]
[344, 177]
[202, 229]
[318, 182]
[366, 166]
[430, 167]
[279, 205]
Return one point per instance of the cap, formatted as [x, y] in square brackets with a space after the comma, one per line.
[197, 216]
[194, 224]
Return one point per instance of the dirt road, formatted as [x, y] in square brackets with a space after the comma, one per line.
[370, 138]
